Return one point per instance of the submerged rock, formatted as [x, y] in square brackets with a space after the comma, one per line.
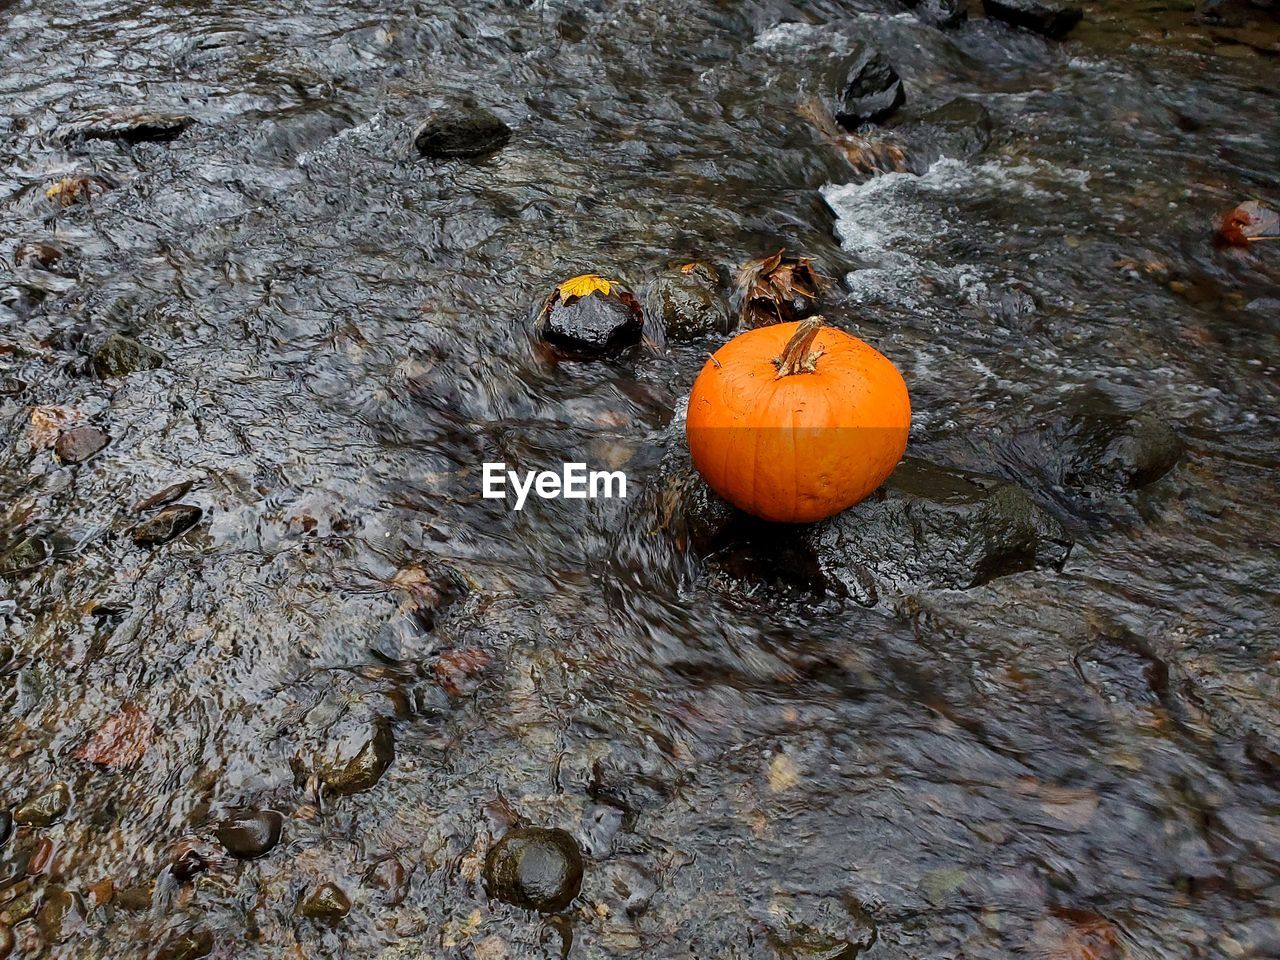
[6, 826]
[7, 941]
[25, 555]
[46, 808]
[686, 306]
[120, 356]
[345, 772]
[168, 524]
[327, 903]
[125, 126]
[1051, 19]
[1115, 451]
[959, 129]
[248, 834]
[79, 444]
[37, 256]
[389, 876]
[868, 89]
[932, 526]
[61, 914]
[190, 945]
[590, 316]
[941, 13]
[461, 132]
[536, 868]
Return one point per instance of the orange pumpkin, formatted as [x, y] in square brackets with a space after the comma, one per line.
[797, 421]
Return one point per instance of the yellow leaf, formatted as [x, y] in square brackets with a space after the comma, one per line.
[584, 285]
[783, 773]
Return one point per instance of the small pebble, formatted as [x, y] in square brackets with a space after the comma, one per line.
[45, 809]
[79, 444]
[326, 903]
[536, 868]
[249, 834]
[169, 524]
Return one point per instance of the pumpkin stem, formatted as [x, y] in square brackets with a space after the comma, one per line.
[798, 355]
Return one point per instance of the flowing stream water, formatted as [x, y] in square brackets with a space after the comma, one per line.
[1070, 764]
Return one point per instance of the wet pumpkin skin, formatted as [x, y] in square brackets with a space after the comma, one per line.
[800, 437]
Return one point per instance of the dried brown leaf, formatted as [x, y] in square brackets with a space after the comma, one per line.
[121, 741]
[48, 422]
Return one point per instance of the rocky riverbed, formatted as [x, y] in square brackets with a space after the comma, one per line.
[277, 682]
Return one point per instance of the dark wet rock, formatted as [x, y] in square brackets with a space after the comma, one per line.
[6, 826]
[61, 914]
[593, 325]
[190, 945]
[168, 524]
[11, 386]
[686, 306]
[1110, 451]
[7, 941]
[941, 13]
[37, 256]
[535, 868]
[125, 126]
[346, 772]
[326, 903]
[461, 132]
[248, 834]
[46, 808]
[79, 444]
[24, 556]
[120, 356]
[959, 129]
[931, 526]
[868, 89]
[1051, 19]
[191, 857]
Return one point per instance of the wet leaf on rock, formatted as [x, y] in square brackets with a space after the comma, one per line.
[456, 670]
[777, 289]
[1078, 935]
[1248, 223]
[584, 285]
[72, 190]
[47, 424]
[121, 741]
